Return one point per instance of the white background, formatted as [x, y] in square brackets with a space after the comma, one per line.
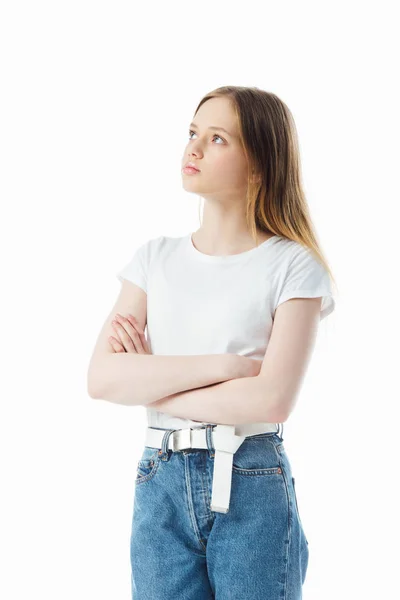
[96, 100]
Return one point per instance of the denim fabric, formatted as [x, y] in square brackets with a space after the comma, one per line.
[180, 550]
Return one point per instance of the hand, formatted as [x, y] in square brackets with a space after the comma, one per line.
[129, 336]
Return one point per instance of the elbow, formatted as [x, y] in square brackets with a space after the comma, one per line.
[283, 407]
[98, 381]
[281, 418]
[92, 390]
[277, 410]
[93, 394]
[101, 390]
[89, 386]
[275, 416]
[93, 386]
[93, 379]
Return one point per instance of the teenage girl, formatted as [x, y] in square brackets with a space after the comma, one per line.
[232, 313]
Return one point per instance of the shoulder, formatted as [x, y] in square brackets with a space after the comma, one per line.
[165, 245]
[149, 248]
[162, 241]
[291, 247]
[157, 249]
[302, 275]
[294, 255]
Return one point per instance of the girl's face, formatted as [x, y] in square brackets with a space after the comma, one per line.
[217, 153]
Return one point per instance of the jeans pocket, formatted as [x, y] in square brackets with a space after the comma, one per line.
[147, 465]
[256, 456]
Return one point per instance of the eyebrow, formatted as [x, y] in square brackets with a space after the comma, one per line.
[213, 127]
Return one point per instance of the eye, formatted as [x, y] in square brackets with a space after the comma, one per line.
[215, 135]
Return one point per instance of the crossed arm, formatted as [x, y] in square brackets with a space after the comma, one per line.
[268, 397]
[232, 402]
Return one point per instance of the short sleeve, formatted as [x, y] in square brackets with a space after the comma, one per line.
[307, 278]
[136, 269]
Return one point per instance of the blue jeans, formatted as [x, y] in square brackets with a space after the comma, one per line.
[180, 550]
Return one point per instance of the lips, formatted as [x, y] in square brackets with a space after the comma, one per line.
[190, 165]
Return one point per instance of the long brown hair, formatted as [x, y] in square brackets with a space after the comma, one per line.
[276, 203]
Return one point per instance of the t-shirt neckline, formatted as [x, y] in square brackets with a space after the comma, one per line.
[225, 258]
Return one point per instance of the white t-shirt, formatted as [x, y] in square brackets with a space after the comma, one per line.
[202, 304]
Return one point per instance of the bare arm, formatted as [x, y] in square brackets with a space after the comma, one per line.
[134, 379]
[234, 402]
[271, 395]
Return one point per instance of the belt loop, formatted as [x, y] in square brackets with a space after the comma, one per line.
[163, 453]
[211, 450]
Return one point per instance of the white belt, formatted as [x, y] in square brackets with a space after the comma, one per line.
[226, 440]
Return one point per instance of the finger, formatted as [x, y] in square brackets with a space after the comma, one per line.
[141, 346]
[143, 341]
[116, 346]
[123, 337]
[131, 327]
[128, 334]
[140, 340]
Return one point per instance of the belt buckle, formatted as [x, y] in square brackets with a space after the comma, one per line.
[184, 437]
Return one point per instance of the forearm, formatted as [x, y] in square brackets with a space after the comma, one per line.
[133, 379]
[233, 402]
